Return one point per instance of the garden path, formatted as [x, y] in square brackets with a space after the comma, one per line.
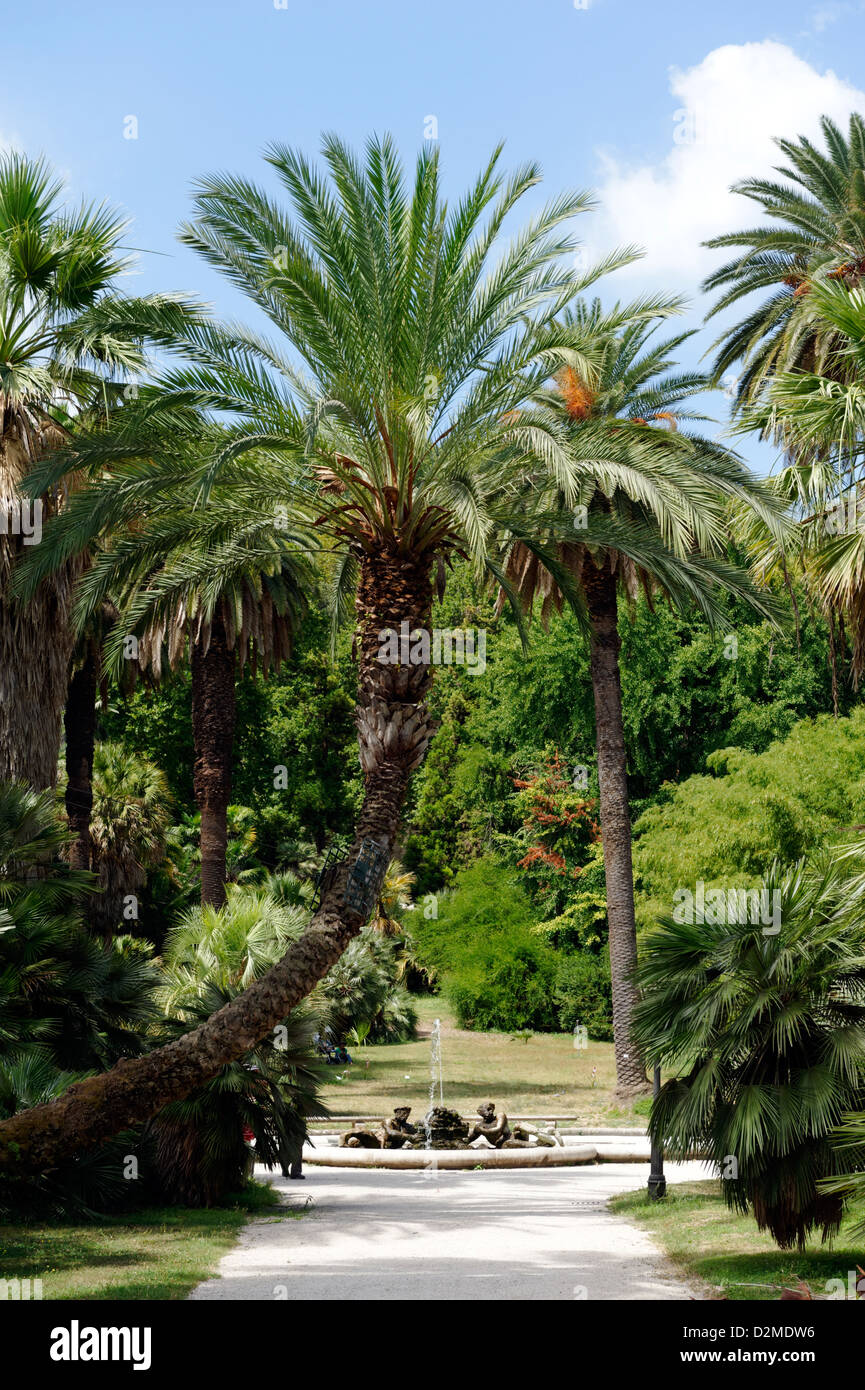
[522, 1234]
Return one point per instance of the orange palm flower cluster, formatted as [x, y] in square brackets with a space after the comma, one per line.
[576, 394]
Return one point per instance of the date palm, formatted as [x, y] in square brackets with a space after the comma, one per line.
[819, 422]
[410, 335]
[815, 228]
[631, 503]
[68, 342]
[181, 583]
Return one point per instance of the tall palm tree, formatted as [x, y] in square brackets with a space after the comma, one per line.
[180, 584]
[416, 347]
[630, 503]
[816, 227]
[68, 343]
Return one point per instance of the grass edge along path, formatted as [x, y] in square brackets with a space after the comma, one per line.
[155, 1253]
[704, 1240]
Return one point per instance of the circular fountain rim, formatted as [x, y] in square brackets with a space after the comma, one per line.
[542, 1156]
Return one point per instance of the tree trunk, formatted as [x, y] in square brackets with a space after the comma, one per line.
[393, 733]
[599, 586]
[80, 725]
[214, 702]
[35, 641]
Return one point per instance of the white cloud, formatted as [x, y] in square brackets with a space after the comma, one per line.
[724, 114]
[826, 15]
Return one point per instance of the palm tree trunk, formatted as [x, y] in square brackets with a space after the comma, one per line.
[214, 703]
[35, 643]
[599, 586]
[80, 724]
[393, 733]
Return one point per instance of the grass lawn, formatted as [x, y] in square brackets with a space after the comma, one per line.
[545, 1075]
[703, 1238]
[157, 1253]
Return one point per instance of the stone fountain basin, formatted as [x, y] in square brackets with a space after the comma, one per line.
[541, 1157]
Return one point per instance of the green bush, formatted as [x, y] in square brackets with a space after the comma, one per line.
[583, 994]
[802, 793]
[494, 968]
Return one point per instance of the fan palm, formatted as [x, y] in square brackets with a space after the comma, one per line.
[131, 814]
[390, 426]
[199, 1143]
[68, 342]
[815, 227]
[84, 1004]
[765, 1034]
[630, 503]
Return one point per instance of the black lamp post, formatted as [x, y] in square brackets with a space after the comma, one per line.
[657, 1181]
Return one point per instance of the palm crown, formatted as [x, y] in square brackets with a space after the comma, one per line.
[65, 335]
[69, 345]
[621, 478]
[816, 227]
[413, 349]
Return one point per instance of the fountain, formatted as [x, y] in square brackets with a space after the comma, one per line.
[444, 1128]
[435, 1065]
[490, 1141]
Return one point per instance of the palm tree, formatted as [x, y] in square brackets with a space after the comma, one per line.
[179, 583]
[819, 421]
[816, 228]
[631, 503]
[764, 1032]
[394, 897]
[68, 342]
[131, 814]
[78, 1002]
[199, 1143]
[392, 434]
[79, 727]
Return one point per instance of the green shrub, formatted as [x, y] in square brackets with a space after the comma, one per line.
[583, 994]
[494, 968]
[506, 984]
[727, 828]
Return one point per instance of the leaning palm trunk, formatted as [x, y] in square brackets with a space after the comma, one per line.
[35, 642]
[214, 703]
[599, 586]
[393, 732]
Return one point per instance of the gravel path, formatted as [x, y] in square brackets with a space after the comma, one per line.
[378, 1235]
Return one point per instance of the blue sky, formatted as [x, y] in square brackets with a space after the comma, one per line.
[655, 105]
